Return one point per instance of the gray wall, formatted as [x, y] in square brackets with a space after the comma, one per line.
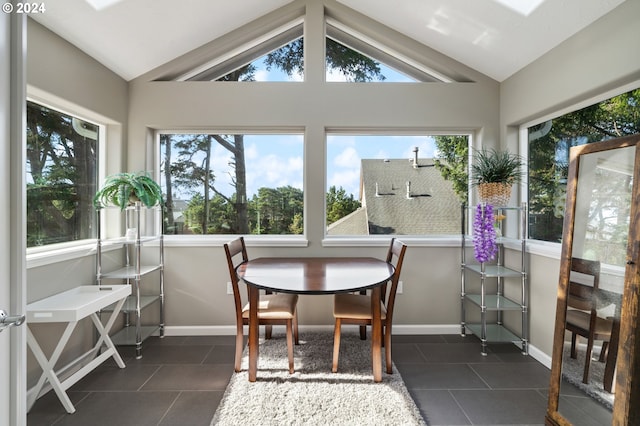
[599, 62]
[196, 275]
[196, 272]
[61, 76]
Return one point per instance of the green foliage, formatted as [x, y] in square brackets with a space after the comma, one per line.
[353, 65]
[493, 166]
[297, 225]
[220, 216]
[245, 73]
[271, 211]
[289, 58]
[339, 204]
[121, 189]
[549, 145]
[61, 178]
[453, 161]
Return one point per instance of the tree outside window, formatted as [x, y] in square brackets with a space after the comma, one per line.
[549, 144]
[61, 176]
[232, 184]
[208, 178]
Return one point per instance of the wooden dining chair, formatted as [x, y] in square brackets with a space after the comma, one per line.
[273, 309]
[349, 308]
[584, 301]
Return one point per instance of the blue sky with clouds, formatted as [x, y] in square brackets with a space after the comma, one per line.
[277, 160]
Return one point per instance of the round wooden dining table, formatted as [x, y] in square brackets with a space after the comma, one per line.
[315, 276]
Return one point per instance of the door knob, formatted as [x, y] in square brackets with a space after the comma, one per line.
[9, 320]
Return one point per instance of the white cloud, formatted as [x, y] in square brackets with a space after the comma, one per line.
[382, 154]
[334, 76]
[250, 152]
[262, 75]
[347, 179]
[274, 171]
[426, 147]
[220, 165]
[348, 158]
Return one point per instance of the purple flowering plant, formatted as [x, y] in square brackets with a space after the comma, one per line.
[484, 234]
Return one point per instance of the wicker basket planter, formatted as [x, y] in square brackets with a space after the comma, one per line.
[495, 193]
[494, 173]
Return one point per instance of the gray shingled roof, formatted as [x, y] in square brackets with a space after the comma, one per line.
[352, 224]
[431, 208]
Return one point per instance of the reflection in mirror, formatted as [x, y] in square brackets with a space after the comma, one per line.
[596, 282]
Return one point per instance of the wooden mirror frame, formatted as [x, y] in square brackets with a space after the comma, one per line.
[627, 384]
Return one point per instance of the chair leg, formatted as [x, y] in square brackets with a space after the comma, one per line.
[268, 331]
[363, 332]
[336, 346]
[387, 348]
[603, 352]
[295, 328]
[573, 346]
[587, 361]
[290, 345]
[239, 347]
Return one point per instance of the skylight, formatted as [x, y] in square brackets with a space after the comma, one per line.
[523, 7]
[102, 4]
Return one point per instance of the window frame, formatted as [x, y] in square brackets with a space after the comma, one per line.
[367, 46]
[265, 240]
[246, 53]
[53, 253]
[441, 240]
[541, 247]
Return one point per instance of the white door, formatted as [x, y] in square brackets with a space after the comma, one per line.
[12, 242]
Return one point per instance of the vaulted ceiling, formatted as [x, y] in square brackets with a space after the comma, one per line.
[494, 37]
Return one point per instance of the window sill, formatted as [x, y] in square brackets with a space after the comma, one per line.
[41, 256]
[383, 240]
[250, 240]
[54, 253]
[544, 248]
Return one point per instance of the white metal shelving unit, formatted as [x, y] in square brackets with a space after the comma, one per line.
[488, 300]
[132, 272]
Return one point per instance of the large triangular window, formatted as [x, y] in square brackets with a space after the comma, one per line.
[355, 57]
[285, 63]
[275, 56]
[345, 64]
[272, 49]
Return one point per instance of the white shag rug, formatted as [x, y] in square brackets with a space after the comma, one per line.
[573, 369]
[313, 395]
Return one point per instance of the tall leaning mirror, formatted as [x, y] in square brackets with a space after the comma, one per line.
[594, 349]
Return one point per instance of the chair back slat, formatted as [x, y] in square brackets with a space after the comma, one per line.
[583, 295]
[236, 252]
[395, 256]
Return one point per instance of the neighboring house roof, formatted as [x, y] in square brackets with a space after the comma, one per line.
[430, 207]
[354, 223]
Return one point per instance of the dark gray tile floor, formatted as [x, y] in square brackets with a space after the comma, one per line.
[180, 381]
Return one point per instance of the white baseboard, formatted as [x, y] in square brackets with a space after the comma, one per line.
[230, 330]
[540, 356]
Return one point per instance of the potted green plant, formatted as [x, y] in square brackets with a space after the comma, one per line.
[494, 172]
[124, 189]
